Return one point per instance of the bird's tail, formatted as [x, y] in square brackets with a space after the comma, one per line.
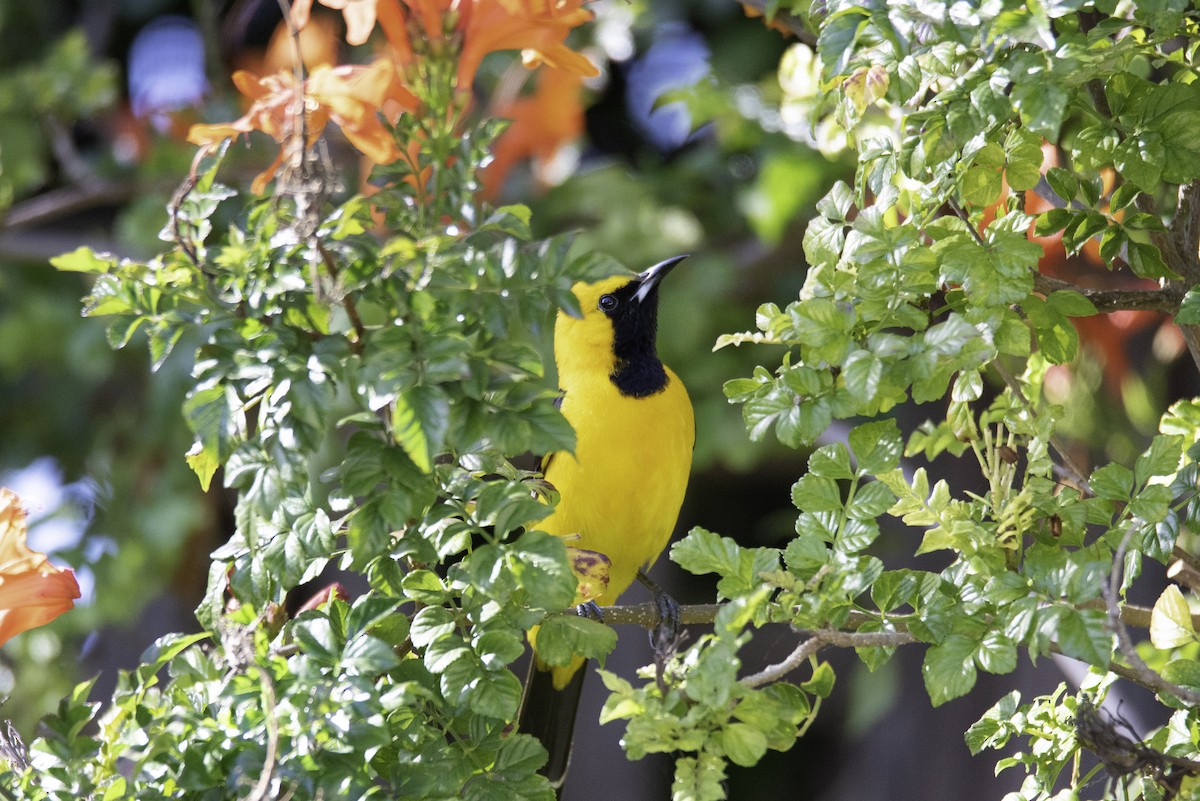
[548, 712]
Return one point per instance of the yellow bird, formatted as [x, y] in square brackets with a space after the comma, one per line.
[620, 492]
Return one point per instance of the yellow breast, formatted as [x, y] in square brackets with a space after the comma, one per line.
[622, 488]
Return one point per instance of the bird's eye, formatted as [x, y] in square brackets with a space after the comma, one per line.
[608, 302]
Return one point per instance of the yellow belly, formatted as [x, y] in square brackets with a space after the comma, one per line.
[621, 491]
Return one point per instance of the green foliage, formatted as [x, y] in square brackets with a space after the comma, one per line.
[362, 394]
[39, 101]
[923, 283]
[364, 367]
[706, 714]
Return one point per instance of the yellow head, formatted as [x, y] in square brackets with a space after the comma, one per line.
[616, 334]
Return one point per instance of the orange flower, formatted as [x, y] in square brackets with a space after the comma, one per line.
[537, 28]
[541, 124]
[352, 97]
[32, 591]
[361, 16]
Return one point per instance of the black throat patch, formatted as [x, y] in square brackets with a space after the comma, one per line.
[638, 372]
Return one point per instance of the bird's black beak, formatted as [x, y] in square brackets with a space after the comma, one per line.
[651, 278]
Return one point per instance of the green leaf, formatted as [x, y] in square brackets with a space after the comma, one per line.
[862, 372]
[369, 656]
[877, 446]
[981, 185]
[1042, 105]
[420, 417]
[317, 639]
[742, 743]
[821, 682]
[1052, 221]
[520, 753]
[949, 669]
[1070, 303]
[1160, 459]
[1140, 159]
[1084, 635]
[166, 648]
[836, 42]
[1113, 481]
[512, 220]
[831, 461]
[991, 730]
[1189, 308]
[702, 552]
[1171, 620]
[549, 430]
[84, 260]
[997, 653]
[1183, 671]
[207, 414]
[1146, 261]
[497, 694]
[871, 501]
[805, 555]
[563, 637]
[699, 778]
[431, 623]
[1063, 182]
[815, 494]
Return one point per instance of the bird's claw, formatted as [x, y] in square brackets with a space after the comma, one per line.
[665, 636]
[590, 610]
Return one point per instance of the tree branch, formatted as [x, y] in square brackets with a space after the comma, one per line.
[58, 203]
[1164, 300]
[795, 659]
[646, 616]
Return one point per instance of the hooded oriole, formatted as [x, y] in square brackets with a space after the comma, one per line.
[620, 491]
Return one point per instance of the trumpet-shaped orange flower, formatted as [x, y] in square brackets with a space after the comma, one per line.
[538, 28]
[352, 97]
[32, 591]
[359, 16]
[552, 116]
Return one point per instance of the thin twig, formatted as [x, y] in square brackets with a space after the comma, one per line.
[1076, 474]
[795, 659]
[347, 300]
[962, 215]
[263, 786]
[185, 244]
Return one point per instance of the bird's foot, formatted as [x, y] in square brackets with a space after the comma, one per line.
[665, 636]
[590, 610]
